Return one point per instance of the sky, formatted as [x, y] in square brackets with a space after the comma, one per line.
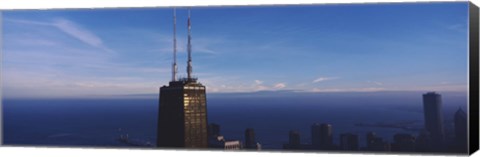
[313, 48]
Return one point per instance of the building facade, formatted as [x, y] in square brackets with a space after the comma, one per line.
[294, 138]
[375, 143]
[433, 113]
[348, 141]
[182, 120]
[315, 131]
[403, 143]
[326, 139]
[250, 142]
[461, 131]
[182, 111]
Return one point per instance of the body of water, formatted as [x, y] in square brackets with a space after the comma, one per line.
[100, 122]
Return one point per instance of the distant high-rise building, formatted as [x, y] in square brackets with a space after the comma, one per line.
[294, 138]
[403, 143]
[294, 141]
[422, 142]
[461, 133]
[348, 141]
[326, 139]
[433, 113]
[315, 131]
[370, 138]
[182, 118]
[375, 143]
[250, 142]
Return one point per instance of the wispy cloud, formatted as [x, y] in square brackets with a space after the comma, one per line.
[258, 88]
[205, 45]
[459, 27]
[441, 87]
[68, 55]
[238, 84]
[280, 85]
[321, 79]
[80, 33]
[376, 83]
[70, 28]
[367, 89]
[20, 84]
[37, 57]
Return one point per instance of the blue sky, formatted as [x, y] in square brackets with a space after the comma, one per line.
[318, 48]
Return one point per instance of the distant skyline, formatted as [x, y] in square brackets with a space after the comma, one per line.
[317, 48]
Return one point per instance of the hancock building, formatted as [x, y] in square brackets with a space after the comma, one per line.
[182, 119]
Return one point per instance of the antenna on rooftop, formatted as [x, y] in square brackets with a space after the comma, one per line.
[174, 66]
[189, 48]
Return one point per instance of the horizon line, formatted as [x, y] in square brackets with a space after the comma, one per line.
[150, 95]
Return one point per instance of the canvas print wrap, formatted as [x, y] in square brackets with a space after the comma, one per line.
[390, 78]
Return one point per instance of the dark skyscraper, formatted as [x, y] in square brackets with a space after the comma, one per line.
[370, 139]
[422, 143]
[349, 141]
[432, 109]
[326, 139]
[315, 130]
[294, 139]
[461, 133]
[182, 119]
[403, 143]
[322, 136]
[375, 143]
[250, 142]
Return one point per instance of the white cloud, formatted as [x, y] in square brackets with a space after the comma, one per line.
[260, 88]
[367, 89]
[217, 83]
[199, 45]
[80, 33]
[20, 84]
[70, 28]
[280, 85]
[376, 83]
[459, 27]
[321, 79]
[204, 45]
[77, 32]
[442, 87]
[38, 58]
[444, 83]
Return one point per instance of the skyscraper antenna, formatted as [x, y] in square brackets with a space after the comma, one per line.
[189, 48]
[174, 66]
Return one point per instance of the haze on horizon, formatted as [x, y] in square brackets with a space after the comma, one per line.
[318, 48]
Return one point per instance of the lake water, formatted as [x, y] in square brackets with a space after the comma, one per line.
[100, 122]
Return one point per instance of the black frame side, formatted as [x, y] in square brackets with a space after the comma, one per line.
[474, 79]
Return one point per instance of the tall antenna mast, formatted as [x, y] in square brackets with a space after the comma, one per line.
[174, 66]
[189, 48]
